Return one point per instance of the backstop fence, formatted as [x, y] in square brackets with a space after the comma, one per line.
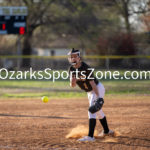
[140, 62]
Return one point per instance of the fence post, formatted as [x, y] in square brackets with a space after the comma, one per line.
[107, 63]
[18, 51]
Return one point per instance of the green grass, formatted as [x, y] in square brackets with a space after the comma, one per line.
[50, 94]
[61, 89]
[32, 84]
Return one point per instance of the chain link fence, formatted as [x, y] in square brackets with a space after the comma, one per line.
[61, 62]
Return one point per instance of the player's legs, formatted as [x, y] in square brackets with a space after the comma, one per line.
[92, 97]
[100, 114]
[92, 117]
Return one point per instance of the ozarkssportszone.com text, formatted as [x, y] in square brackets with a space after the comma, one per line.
[53, 75]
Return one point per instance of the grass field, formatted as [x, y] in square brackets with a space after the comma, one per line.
[32, 89]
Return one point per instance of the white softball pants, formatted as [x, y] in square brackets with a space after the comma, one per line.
[92, 97]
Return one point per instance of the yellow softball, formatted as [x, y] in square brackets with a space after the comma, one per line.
[45, 99]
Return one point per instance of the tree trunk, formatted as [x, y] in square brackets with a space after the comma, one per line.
[126, 15]
[128, 27]
[27, 49]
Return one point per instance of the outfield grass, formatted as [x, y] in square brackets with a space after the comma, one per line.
[49, 94]
[33, 84]
[59, 89]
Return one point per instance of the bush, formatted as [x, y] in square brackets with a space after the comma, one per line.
[118, 44]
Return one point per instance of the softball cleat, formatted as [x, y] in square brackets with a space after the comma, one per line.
[110, 133]
[87, 138]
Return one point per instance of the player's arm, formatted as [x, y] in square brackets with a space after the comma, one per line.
[89, 74]
[94, 87]
[72, 81]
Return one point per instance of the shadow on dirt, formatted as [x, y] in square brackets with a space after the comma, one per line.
[30, 116]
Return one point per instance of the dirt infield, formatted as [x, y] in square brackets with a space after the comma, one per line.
[32, 125]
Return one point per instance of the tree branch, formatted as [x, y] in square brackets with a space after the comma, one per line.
[26, 2]
[39, 18]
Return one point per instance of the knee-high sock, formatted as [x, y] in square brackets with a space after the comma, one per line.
[92, 124]
[104, 124]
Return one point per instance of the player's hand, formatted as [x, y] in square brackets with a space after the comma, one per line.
[74, 79]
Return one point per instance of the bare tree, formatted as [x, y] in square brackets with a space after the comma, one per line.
[123, 8]
[128, 8]
[38, 15]
[144, 13]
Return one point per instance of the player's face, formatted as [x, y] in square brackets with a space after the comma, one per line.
[74, 59]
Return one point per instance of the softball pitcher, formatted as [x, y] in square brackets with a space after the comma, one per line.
[81, 75]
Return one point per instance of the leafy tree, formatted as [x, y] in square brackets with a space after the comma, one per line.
[78, 21]
[39, 14]
[76, 15]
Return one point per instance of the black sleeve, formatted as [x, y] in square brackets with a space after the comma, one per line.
[90, 75]
[89, 72]
[71, 70]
